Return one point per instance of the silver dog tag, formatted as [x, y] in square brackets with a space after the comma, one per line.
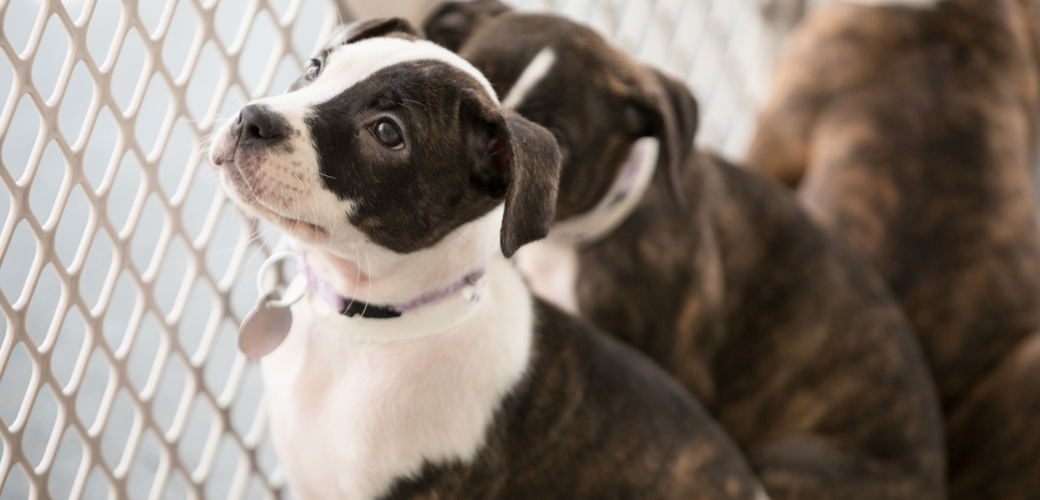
[264, 328]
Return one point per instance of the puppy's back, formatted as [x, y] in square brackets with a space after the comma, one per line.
[911, 133]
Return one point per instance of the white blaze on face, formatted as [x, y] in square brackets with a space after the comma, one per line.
[349, 64]
[533, 74]
[289, 189]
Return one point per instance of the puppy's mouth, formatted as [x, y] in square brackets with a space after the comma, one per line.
[246, 192]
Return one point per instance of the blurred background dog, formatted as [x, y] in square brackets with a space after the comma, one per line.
[912, 133]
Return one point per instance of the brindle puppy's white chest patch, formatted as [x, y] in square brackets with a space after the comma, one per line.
[551, 270]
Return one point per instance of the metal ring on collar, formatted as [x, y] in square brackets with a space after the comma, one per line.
[296, 290]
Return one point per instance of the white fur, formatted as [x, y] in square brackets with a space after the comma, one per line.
[377, 275]
[914, 4]
[348, 417]
[532, 75]
[551, 270]
[356, 404]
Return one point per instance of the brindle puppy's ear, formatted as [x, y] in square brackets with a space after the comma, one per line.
[376, 28]
[451, 24]
[517, 160]
[672, 116]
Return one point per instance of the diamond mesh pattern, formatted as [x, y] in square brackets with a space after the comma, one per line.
[124, 272]
[121, 262]
[723, 49]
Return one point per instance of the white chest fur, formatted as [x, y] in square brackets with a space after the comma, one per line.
[349, 416]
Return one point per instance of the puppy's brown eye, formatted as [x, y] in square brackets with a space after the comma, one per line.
[386, 132]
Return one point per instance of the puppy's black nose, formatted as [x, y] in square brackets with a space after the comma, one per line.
[259, 123]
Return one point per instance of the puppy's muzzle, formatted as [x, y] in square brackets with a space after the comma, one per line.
[256, 127]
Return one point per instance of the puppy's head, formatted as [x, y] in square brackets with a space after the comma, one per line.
[595, 99]
[452, 23]
[389, 139]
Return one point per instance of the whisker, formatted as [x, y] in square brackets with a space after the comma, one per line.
[404, 101]
[464, 238]
[357, 281]
[369, 274]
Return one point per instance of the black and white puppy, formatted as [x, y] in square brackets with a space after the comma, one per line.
[398, 175]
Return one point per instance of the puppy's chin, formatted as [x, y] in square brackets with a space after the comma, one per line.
[244, 197]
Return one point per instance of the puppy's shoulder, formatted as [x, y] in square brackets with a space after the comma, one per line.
[588, 391]
[771, 209]
[592, 418]
[794, 252]
[567, 346]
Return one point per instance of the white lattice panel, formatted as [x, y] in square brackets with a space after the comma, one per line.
[121, 262]
[123, 272]
[722, 48]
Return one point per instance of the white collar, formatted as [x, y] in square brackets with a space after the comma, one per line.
[621, 199]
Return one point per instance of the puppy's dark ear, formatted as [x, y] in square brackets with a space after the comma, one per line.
[451, 24]
[672, 117]
[376, 28]
[534, 168]
[519, 161]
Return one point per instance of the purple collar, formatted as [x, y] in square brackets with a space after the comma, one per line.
[354, 307]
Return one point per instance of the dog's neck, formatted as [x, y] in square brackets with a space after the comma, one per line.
[380, 398]
[551, 266]
[623, 196]
[422, 286]
[364, 271]
[351, 306]
[354, 411]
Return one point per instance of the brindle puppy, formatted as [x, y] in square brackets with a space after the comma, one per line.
[790, 339]
[911, 133]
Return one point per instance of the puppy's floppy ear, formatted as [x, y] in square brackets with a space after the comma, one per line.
[376, 28]
[519, 161]
[672, 117]
[451, 24]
